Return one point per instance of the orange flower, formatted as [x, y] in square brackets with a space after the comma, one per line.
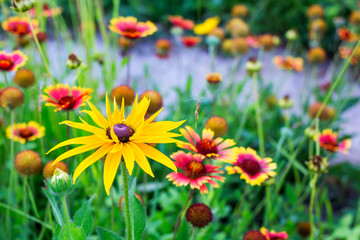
[179, 21]
[129, 27]
[289, 63]
[190, 41]
[19, 26]
[328, 140]
[64, 98]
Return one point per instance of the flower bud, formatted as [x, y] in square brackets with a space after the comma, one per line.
[199, 215]
[271, 101]
[73, 61]
[123, 92]
[60, 183]
[213, 78]
[286, 102]
[156, 101]
[22, 5]
[24, 78]
[28, 163]
[310, 132]
[11, 97]
[291, 35]
[253, 65]
[318, 164]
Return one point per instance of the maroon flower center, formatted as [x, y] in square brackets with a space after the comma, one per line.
[25, 133]
[195, 170]
[6, 64]
[206, 146]
[20, 28]
[122, 131]
[67, 102]
[250, 166]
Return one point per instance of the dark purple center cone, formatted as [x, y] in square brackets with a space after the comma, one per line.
[122, 131]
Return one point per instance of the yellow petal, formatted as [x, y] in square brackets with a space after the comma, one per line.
[117, 148]
[163, 126]
[98, 114]
[95, 119]
[150, 119]
[122, 113]
[82, 126]
[116, 115]
[157, 156]
[104, 149]
[129, 157]
[79, 140]
[111, 166]
[78, 150]
[140, 159]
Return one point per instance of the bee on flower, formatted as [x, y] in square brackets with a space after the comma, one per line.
[25, 132]
[64, 98]
[207, 146]
[328, 140]
[252, 168]
[289, 63]
[195, 172]
[120, 138]
[19, 26]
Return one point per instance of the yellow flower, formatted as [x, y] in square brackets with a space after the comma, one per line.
[120, 138]
[207, 26]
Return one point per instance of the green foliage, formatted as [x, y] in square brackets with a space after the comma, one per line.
[71, 232]
[105, 234]
[83, 218]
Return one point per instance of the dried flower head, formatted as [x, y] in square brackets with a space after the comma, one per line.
[73, 61]
[239, 10]
[123, 92]
[218, 125]
[11, 97]
[316, 55]
[155, 98]
[318, 164]
[24, 78]
[199, 215]
[28, 163]
[49, 168]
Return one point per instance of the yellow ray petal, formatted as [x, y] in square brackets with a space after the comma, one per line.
[79, 140]
[129, 157]
[98, 114]
[104, 149]
[140, 159]
[111, 166]
[117, 148]
[157, 156]
[95, 119]
[82, 126]
[163, 126]
[108, 111]
[116, 115]
[78, 150]
[150, 119]
[122, 113]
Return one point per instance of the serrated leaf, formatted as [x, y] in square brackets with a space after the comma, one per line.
[71, 232]
[105, 234]
[139, 218]
[83, 218]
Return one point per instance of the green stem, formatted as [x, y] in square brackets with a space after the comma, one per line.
[312, 200]
[193, 234]
[65, 209]
[268, 211]
[178, 219]
[125, 177]
[238, 213]
[11, 179]
[39, 48]
[258, 115]
[25, 207]
[21, 213]
[5, 77]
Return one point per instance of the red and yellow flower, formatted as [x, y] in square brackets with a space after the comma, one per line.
[346, 52]
[129, 27]
[252, 168]
[46, 11]
[25, 132]
[346, 34]
[190, 41]
[207, 146]
[328, 140]
[10, 62]
[64, 98]
[19, 26]
[194, 172]
[272, 235]
[289, 63]
[179, 21]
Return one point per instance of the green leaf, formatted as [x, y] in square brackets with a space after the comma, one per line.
[83, 218]
[139, 217]
[71, 232]
[105, 234]
[290, 194]
[56, 232]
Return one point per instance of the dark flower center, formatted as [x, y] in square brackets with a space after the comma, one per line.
[250, 166]
[25, 133]
[6, 64]
[122, 131]
[20, 28]
[67, 102]
[195, 170]
[206, 146]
